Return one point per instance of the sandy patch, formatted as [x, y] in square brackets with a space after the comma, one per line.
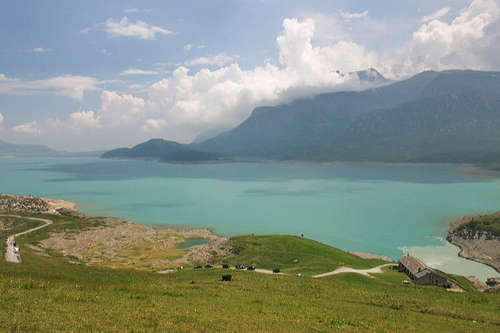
[60, 204]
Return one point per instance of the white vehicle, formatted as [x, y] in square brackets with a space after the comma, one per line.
[16, 250]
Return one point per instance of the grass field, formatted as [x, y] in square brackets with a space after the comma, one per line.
[293, 254]
[47, 294]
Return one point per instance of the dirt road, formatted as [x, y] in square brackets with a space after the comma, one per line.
[12, 252]
[365, 272]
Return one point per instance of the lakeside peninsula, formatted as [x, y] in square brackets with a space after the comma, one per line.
[478, 238]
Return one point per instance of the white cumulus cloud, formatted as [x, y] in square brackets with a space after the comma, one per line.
[120, 110]
[127, 28]
[462, 43]
[116, 122]
[27, 128]
[153, 125]
[85, 119]
[318, 66]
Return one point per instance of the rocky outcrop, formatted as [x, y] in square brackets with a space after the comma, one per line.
[118, 243]
[478, 245]
[471, 234]
[23, 203]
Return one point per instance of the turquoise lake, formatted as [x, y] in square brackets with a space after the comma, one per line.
[381, 209]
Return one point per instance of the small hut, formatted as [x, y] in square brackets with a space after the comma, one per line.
[420, 273]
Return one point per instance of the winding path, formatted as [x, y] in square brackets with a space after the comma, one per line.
[365, 272]
[11, 255]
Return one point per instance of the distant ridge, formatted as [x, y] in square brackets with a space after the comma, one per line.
[27, 150]
[162, 150]
[31, 150]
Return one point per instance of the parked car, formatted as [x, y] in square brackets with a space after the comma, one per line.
[251, 268]
[209, 266]
[240, 266]
[197, 267]
[225, 266]
[276, 270]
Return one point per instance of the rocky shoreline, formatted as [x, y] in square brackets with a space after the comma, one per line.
[114, 242]
[477, 245]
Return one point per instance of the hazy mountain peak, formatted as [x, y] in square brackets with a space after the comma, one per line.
[370, 75]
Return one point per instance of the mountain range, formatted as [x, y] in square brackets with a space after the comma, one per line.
[449, 116]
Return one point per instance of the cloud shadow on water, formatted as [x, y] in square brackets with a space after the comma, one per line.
[299, 192]
[106, 170]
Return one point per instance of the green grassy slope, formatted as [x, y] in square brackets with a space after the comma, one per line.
[45, 295]
[293, 254]
[48, 294]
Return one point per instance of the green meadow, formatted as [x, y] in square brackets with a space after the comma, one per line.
[292, 254]
[47, 294]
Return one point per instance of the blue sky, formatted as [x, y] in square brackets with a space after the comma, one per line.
[80, 75]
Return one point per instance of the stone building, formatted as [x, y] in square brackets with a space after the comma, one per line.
[420, 273]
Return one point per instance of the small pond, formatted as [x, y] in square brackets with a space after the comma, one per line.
[192, 242]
